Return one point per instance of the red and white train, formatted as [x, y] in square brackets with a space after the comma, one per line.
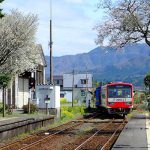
[115, 97]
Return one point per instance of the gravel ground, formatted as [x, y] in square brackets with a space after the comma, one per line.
[70, 139]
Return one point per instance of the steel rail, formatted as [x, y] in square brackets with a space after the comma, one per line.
[46, 138]
[49, 136]
[77, 148]
[34, 136]
[30, 137]
[18, 142]
[108, 142]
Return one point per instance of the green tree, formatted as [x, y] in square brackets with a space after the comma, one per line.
[1, 14]
[4, 81]
[147, 81]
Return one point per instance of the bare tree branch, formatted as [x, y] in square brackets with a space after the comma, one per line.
[128, 22]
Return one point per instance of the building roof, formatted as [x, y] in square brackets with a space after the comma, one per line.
[79, 73]
[58, 77]
[40, 49]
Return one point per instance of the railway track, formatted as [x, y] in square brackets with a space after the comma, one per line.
[102, 138]
[36, 139]
[50, 138]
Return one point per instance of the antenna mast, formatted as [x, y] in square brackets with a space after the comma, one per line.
[51, 43]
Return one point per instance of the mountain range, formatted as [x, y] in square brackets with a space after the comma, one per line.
[129, 64]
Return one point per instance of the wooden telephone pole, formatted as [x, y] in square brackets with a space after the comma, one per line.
[72, 86]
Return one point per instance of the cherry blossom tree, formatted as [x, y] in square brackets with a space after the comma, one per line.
[128, 21]
[18, 51]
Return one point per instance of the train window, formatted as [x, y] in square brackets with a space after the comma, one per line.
[62, 95]
[119, 91]
[103, 95]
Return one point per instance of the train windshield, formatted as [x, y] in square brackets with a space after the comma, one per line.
[121, 91]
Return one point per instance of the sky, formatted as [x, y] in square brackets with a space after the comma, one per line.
[72, 23]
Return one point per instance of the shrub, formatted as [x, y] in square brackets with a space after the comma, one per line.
[33, 108]
[70, 112]
[137, 101]
[69, 109]
[82, 110]
[75, 101]
[1, 107]
[63, 100]
[143, 97]
[76, 110]
[66, 114]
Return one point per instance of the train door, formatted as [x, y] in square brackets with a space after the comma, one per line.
[98, 96]
[104, 96]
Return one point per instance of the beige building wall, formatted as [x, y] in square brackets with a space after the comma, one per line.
[23, 92]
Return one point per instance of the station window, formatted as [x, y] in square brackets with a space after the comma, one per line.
[62, 95]
[57, 81]
[84, 81]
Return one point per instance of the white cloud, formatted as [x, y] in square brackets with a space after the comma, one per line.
[72, 23]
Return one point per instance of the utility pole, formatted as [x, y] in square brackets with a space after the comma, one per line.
[72, 86]
[87, 100]
[51, 43]
[4, 101]
[86, 83]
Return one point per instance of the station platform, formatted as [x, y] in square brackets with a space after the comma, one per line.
[136, 134]
[11, 120]
[14, 126]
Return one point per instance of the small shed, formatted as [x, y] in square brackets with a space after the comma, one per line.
[48, 94]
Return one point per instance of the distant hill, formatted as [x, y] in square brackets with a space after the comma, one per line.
[107, 64]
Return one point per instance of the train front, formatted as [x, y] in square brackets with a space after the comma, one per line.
[119, 98]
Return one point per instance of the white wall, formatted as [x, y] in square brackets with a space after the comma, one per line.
[53, 93]
[76, 95]
[67, 95]
[68, 80]
[57, 96]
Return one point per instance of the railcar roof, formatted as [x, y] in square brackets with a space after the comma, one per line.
[119, 83]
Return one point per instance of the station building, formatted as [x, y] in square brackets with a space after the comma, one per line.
[19, 90]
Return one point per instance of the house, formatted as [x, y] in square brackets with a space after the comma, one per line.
[20, 91]
[58, 80]
[76, 86]
[77, 80]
